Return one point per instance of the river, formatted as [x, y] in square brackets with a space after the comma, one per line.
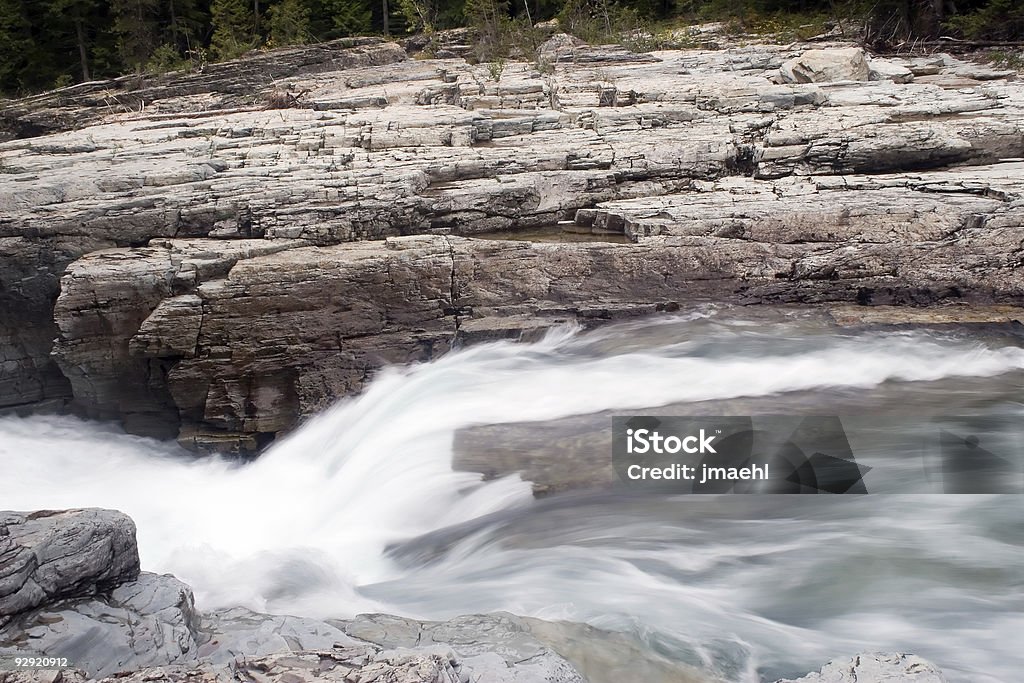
[361, 509]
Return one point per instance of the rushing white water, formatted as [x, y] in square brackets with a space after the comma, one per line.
[743, 585]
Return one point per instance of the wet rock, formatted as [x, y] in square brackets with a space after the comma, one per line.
[47, 556]
[877, 668]
[500, 648]
[150, 621]
[237, 634]
[146, 629]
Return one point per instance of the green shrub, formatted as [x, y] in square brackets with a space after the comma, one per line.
[495, 69]
[233, 25]
[164, 59]
[600, 21]
[998, 20]
[289, 23]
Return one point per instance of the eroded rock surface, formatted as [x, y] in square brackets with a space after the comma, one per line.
[224, 268]
[72, 590]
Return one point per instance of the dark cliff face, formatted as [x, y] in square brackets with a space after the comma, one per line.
[213, 269]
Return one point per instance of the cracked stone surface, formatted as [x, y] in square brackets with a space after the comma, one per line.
[214, 270]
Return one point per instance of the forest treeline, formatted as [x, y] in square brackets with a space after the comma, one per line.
[53, 43]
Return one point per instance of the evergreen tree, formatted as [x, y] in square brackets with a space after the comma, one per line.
[136, 24]
[15, 44]
[72, 26]
[186, 24]
[349, 17]
[232, 24]
[289, 23]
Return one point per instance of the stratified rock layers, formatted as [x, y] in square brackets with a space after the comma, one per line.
[225, 271]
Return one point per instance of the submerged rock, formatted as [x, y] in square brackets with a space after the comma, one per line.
[145, 628]
[876, 668]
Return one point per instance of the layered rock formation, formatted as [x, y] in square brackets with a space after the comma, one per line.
[225, 268]
[46, 556]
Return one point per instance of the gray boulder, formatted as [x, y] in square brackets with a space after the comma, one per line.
[887, 70]
[238, 633]
[822, 66]
[875, 668]
[144, 623]
[46, 556]
[560, 47]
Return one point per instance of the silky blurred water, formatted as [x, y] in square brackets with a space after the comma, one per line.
[361, 510]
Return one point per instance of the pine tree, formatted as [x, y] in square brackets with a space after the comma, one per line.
[15, 44]
[73, 24]
[137, 29]
[350, 17]
[289, 23]
[233, 24]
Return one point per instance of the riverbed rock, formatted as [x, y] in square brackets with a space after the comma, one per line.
[207, 267]
[876, 668]
[495, 647]
[148, 630]
[52, 555]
